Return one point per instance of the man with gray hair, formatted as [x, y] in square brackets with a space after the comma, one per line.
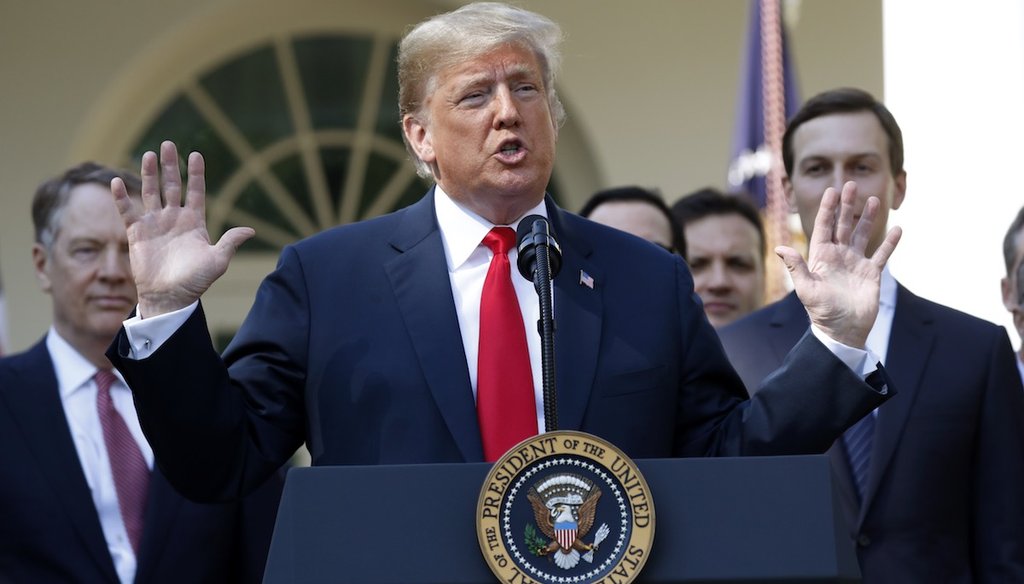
[85, 501]
[402, 339]
[1013, 283]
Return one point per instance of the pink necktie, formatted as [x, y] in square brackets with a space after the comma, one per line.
[131, 474]
[504, 393]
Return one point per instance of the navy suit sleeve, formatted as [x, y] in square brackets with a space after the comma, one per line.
[221, 427]
[800, 409]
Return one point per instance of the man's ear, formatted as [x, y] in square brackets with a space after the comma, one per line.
[1008, 296]
[40, 260]
[787, 189]
[419, 137]
[900, 189]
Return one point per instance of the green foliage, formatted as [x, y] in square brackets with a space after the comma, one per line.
[534, 541]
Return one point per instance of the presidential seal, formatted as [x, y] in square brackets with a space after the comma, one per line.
[565, 508]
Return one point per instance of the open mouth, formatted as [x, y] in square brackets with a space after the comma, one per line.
[511, 151]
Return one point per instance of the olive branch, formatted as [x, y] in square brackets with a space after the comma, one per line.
[534, 542]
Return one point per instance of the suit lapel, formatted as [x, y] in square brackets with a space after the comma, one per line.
[787, 326]
[34, 400]
[910, 344]
[419, 278]
[577, 320]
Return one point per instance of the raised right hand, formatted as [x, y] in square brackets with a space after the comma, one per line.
[172, 259]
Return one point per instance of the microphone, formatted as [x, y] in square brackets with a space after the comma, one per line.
[540, 258]
[534, 231]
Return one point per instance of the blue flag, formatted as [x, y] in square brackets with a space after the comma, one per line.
[3, 321]
[750, 158]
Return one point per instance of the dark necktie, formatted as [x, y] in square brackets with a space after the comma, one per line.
[857, 441]
[131, 474]
[504, 396]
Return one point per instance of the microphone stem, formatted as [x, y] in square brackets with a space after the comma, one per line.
[546, 328]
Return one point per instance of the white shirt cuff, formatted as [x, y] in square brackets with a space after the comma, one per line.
[859, 360]
[145, 336]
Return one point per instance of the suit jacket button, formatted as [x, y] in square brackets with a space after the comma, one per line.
[863, 540]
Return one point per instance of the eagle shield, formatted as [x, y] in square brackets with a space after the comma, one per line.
[564, 506]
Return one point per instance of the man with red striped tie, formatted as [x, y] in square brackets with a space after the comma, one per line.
[82, 500]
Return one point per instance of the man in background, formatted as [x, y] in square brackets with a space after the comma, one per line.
[638, 211]
[1013, 284]
[83, 500]
[931, 482]
[725, 251]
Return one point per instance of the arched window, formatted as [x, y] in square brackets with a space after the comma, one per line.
[299, 135]
[294, 108]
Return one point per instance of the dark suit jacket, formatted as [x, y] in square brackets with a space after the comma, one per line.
[50, 531]
[945, 501]
[353, 345]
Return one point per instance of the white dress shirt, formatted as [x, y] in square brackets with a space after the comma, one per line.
[78, 396]
[878, 338]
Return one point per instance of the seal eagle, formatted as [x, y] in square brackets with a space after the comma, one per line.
[565, 516]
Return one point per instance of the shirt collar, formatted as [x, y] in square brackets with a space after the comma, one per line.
[462, 230]
[73, 371]
[887, 289]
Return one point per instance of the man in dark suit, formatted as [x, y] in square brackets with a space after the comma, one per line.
[933, 491]
[368, 340]
[1013, 284]
[66, 513]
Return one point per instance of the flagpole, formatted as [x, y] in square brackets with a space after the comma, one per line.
[773, 88]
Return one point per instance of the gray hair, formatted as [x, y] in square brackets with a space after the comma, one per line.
[52, 196]
[455, 37]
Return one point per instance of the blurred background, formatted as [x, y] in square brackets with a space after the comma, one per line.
[293, 105]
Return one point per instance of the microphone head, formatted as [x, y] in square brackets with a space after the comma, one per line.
[525, 228]
[527, 246]
[535, 230]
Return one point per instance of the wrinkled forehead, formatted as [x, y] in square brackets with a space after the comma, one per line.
[506, 59]
[841, 135]
[723, 233]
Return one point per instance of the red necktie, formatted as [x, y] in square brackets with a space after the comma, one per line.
[504, 386]
[131, 474]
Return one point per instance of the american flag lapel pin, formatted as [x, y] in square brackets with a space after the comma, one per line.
[586, 280]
